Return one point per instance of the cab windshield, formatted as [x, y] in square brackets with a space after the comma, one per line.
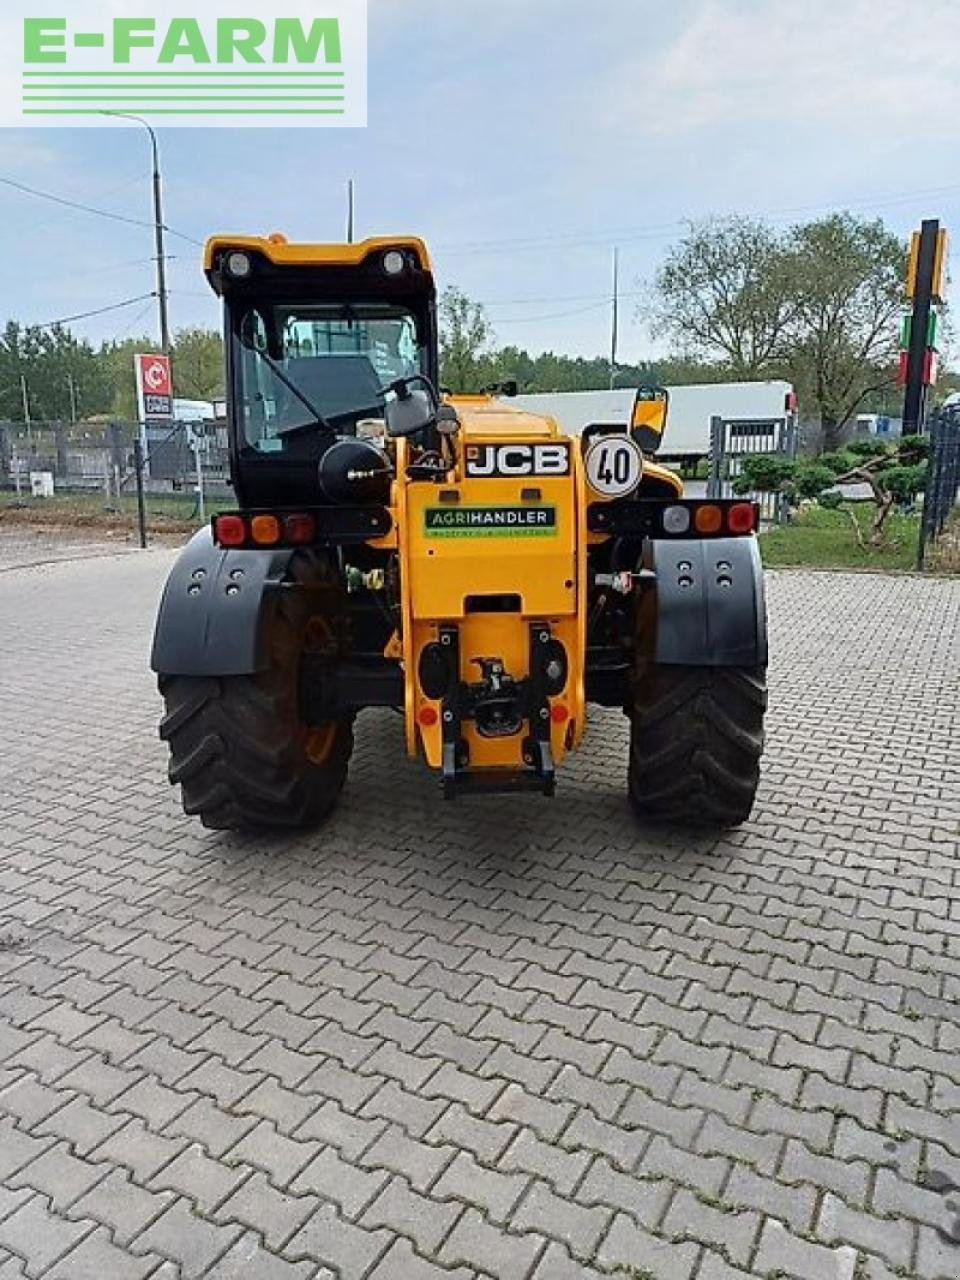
[306, 367]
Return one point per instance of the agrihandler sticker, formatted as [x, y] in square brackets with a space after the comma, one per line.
[489, 522]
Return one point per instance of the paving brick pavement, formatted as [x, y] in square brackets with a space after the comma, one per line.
[510, 1038]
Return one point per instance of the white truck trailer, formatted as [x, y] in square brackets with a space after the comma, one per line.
[687, 437]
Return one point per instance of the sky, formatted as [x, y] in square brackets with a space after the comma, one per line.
[523, 142]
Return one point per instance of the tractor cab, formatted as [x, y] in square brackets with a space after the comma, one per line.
[312, 335]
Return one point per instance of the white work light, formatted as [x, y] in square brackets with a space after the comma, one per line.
[676, 520]
[238, 264]
[393, 262]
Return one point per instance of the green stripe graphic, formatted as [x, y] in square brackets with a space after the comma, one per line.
[182, 97]
[31, 74]
[195, 111]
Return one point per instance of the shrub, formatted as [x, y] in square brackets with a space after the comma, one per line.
[868, 448]
[904, 483]
[839, 463]
[764, 471]
[810, 479]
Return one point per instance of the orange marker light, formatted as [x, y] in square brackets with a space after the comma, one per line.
[708, 519]
[265, 530]
[428, 716]
[230, 531]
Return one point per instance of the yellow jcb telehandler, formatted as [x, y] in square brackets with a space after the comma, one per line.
[449, 556]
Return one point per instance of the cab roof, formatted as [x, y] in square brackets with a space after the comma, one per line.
[280, 251]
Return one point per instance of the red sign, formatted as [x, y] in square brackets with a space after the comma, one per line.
[154, 386]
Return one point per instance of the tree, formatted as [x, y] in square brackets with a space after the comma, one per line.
[725, 291]
[197, 363]
[846, 282]
[465, 337]
[58, 368]
[117, 361]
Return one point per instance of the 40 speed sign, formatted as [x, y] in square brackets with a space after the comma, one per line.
[614, 465]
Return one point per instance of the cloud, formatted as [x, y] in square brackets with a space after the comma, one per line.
[859, 66]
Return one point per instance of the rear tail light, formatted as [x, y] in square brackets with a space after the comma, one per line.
[230, 531]
[742, 517]
[299, 528]
[265, 530]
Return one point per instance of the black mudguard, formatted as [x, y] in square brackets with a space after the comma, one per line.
[710, 610]
[211, 611]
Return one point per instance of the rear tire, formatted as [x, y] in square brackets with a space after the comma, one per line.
[696, 737]
[238, 749]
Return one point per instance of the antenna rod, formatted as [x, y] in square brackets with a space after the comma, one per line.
[349, 211]
[613, 325]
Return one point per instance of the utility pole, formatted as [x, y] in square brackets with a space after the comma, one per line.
[157, 228]
[349, 211]
[25, 394]
[614, 317]
[72, 386]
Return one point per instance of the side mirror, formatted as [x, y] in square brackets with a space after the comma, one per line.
[648, 419]
[408, 416]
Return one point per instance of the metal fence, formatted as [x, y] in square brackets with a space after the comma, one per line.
[100, 457]
[733, 439]
[943, 481]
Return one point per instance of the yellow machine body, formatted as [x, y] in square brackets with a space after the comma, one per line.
[449, 573]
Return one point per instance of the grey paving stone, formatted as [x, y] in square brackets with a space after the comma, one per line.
[495, 1192]
[643, 1198]
[782, 1251]
[733, 1230]
[581, 991]
[528, 1154]
[793, 1205]
[476, 1243]
[59, 1175]
[122, 1206]
[329, 1176]
[627, 1246]
[405, 1211]
[327, 1238]
[97, 1257]
[401, 1263]
[893, 1239]
[18, 1148]
[184, 1238]
[274, 1214]
[39, 1236]
[248, 1260]
[139, 1150]
[576, 1226]
[281, 1157]
[198, 1177]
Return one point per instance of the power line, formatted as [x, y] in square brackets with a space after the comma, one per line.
[127, 331]
[570, 297]
[548, 242]
[89, 208]
[97, 311]
[556, 315]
